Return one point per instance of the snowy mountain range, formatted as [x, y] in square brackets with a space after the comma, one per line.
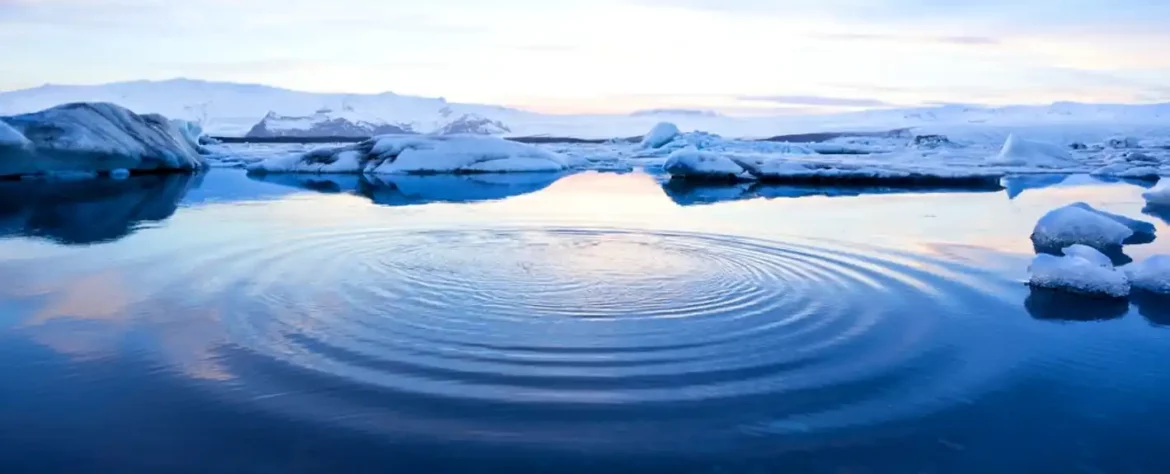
[230, 109]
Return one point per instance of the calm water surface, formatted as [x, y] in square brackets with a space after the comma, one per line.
[543, 323]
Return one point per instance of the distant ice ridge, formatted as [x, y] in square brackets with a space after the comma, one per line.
[1082, 270]
[417, 154]
[93, 138]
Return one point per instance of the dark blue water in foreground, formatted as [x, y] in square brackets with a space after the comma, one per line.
[588, 323]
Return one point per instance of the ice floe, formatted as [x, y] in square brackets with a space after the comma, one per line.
[1080, 223]
[1081, 270]
[1152, 274]
[660, 135]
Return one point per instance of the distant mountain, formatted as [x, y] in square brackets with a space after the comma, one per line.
[674, 112]
[230, 109]
[247, 109]
[321, 124]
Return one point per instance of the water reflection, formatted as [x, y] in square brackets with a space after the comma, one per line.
[1152, 306]
[1161, 212]
[395, 190]
[686, 192]
[89, 211]
[1052, 305]
[1018, 184]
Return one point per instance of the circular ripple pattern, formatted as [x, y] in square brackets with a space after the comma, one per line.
[562, 335]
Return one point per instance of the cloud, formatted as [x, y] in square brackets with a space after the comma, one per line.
[817, 101]
[960, 40]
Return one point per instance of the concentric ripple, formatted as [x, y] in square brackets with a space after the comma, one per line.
[574, 335]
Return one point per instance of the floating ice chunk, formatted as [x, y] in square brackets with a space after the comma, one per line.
[1128, 171]
[1017, 151]
[1080, 224]
[660, 135]
[406, 154]
[1081, 270]
[1089, 254]
[1152, 275]
[94, 137]
[120, 173]
[692, 163]
[1138, 227]
[1160, 195]
[1123, 142]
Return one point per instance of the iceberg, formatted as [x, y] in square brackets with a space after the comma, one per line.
[1080, 223]
[1160, 195]
[1081, 270]
[1123, 142]
[1017, 151]
[93, 138]
[660, 135]
[1128, 171]
[417, 154]
[707, 165]
[1152, 275]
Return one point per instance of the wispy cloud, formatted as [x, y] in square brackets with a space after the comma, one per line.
[959, 40]
[816, 101]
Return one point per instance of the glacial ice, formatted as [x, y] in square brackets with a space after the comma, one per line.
[660, 135]
[416, 154]
[1017, 151]
[1081, 270]
[94, 137]
[1080, 223]
[10, 138]
[694, 163]
[1151, 275]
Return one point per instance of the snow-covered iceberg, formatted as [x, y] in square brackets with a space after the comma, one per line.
[416, 154]
[1081, 270]
[93, 138]
[1151, 275]
[1080, 223]
[660, 135]
[1160, 195]
[1021, 152]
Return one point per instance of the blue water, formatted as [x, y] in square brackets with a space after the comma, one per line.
[546, 323]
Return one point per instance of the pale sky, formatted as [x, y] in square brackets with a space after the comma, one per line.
[734, 56]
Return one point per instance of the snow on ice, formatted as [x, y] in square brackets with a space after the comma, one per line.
[1151, 275]
[1080, 223]
[1081, 270]
[660, 135]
